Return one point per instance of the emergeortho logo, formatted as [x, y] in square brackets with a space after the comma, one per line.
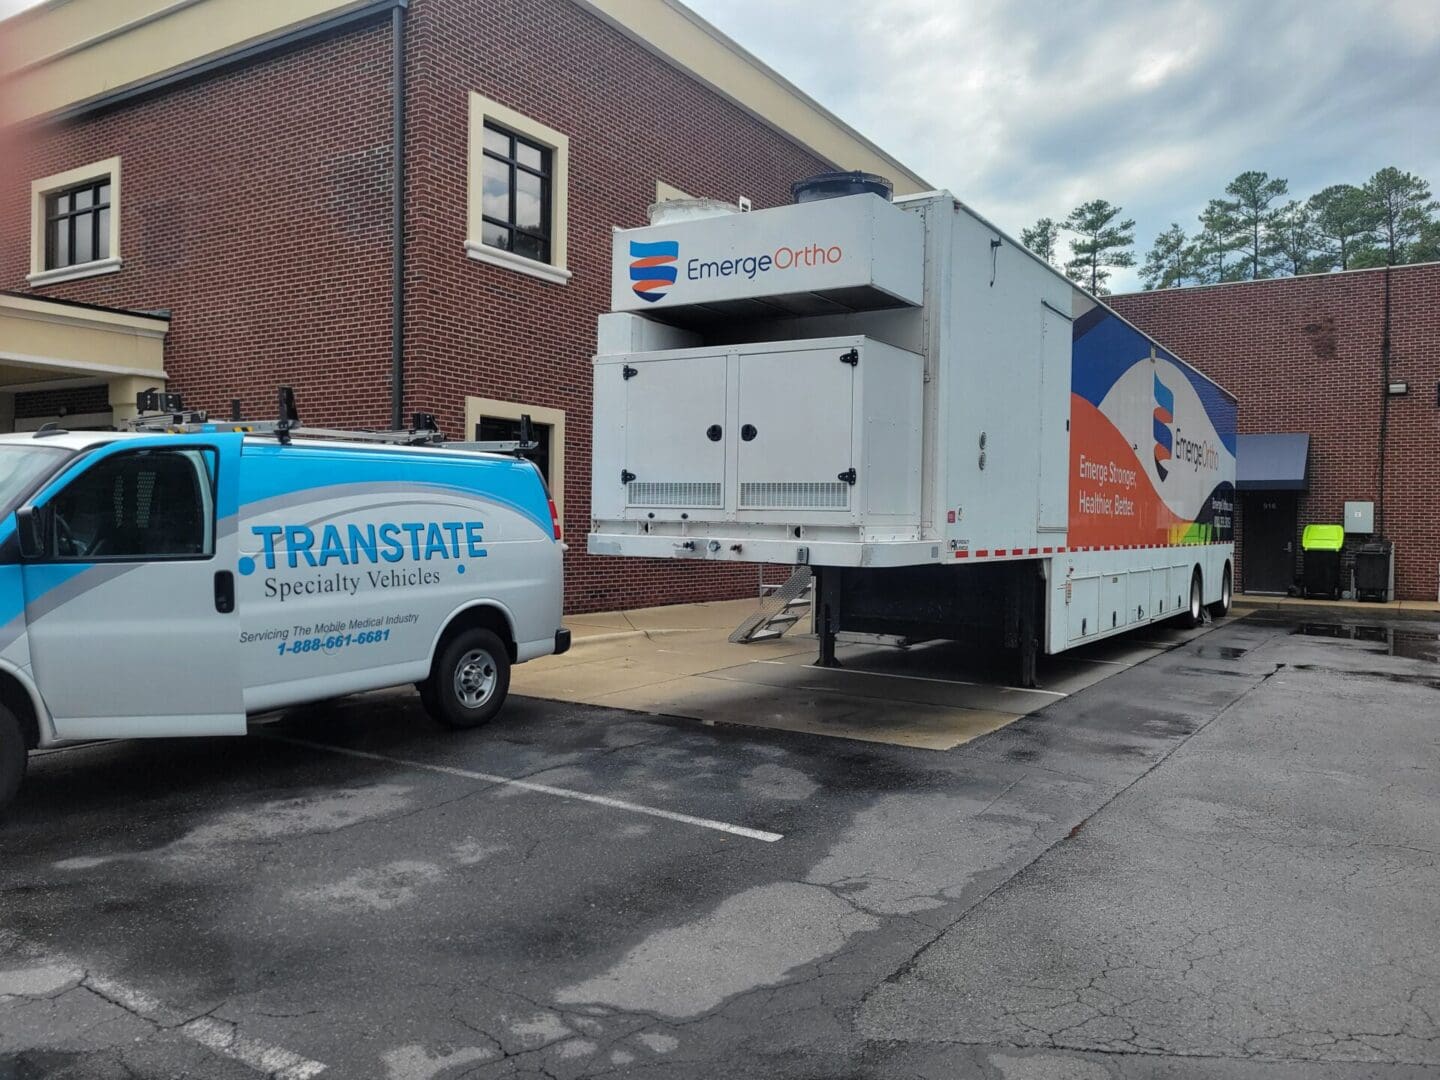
[653, 264]
[652, 267]
[1164, 417]
[1176, 447]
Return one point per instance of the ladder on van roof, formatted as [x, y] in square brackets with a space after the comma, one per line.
[165, 413]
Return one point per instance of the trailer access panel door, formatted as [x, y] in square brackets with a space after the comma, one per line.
[796, 430]
[675, 433]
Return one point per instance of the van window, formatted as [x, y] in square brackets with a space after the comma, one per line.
[150, 504]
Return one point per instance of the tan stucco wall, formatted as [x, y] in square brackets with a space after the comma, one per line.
[60, 339]
[62, 54]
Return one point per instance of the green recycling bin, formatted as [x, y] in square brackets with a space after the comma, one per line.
[1321, 576]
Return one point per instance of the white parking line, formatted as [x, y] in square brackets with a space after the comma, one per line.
[926, 678]
[221, 1037]
[544, 789]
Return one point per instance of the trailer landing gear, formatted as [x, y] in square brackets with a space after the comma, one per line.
[827, 616]
[1022, 602]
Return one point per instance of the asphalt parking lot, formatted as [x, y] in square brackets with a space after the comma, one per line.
[1220, 862]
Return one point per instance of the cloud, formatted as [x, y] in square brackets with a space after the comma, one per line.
[1026, 109]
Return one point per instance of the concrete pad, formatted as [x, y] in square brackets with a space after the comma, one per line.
[857, 682]
[678, 661]
[810, 710]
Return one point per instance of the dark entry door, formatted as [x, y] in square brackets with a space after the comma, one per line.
[1269, 549]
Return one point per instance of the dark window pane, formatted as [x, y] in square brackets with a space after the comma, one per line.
[498, 429]
[83, 197]
[529, 193]
[498, 141]
[528, 155]
[56, 204]
[495, 201]
[531, 247]
[136, 506]
[496, 236]
[84, 251]
[104, 192]
[102, 246]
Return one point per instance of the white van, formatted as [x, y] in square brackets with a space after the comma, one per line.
[165, 584]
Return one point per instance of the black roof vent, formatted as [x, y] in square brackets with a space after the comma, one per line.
[835, 185]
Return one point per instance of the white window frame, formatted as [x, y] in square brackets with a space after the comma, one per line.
[40, 190]
[476, 407]
[669, 192]
[556, 271]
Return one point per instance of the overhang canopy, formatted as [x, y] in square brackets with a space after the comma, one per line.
[1278, 462]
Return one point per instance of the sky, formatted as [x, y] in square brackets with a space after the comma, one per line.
[1025, 108]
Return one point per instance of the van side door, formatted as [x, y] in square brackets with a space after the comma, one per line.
[130, 602]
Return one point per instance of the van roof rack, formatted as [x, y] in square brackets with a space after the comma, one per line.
[165, 413]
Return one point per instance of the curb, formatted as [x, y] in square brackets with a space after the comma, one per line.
[1331, 610]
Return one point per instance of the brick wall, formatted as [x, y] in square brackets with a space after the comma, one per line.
[1303, 354]
[256, 208]
[478, 329]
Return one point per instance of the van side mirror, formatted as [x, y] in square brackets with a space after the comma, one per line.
[32, 530]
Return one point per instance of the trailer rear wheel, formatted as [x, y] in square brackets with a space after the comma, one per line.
[470, 680]
[14, 756]
[1221, 607]
[1195, 613]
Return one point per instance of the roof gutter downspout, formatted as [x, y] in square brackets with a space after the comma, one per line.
[397, 217]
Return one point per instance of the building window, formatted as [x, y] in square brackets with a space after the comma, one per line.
[499, 421]
[516, 200]
[504, 429]
[75, 223]
[519, 180]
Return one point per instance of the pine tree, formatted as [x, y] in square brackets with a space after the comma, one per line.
[1401, 205]
[1292, 236]
[1041, 238]
[1251, 194]
[1101, 243]
[1219, 236]
[1168, 263]
[1344, 222]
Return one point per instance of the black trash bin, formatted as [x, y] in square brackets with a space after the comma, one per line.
[1321, 576]
[1372, 570]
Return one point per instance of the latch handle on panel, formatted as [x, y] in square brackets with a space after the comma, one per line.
[852, 358]
[628, 372]
[626, 476]
[848, 477]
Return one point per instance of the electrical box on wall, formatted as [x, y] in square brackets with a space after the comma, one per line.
[1359, 517]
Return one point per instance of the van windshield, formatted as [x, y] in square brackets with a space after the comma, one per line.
[22, 467]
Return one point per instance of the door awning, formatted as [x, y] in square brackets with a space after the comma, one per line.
[1278, 462]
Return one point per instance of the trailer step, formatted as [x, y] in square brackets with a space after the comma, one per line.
[780, 609]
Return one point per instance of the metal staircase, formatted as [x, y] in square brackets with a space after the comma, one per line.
[781, 609]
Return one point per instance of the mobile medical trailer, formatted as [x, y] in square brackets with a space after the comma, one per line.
[952, 435]
[170, 582]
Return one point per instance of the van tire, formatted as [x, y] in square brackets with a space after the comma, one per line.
[469, 681]
[1195, 613]
[14, 756]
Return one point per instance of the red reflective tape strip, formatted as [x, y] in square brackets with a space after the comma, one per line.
[1048, 550]
[982, 553]
[1034, 551]
[962, 554]
[1017, 551]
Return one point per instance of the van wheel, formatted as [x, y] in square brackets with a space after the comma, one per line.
[470, 680]
[14, 756]
[1221, 607]
[1195, 613]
